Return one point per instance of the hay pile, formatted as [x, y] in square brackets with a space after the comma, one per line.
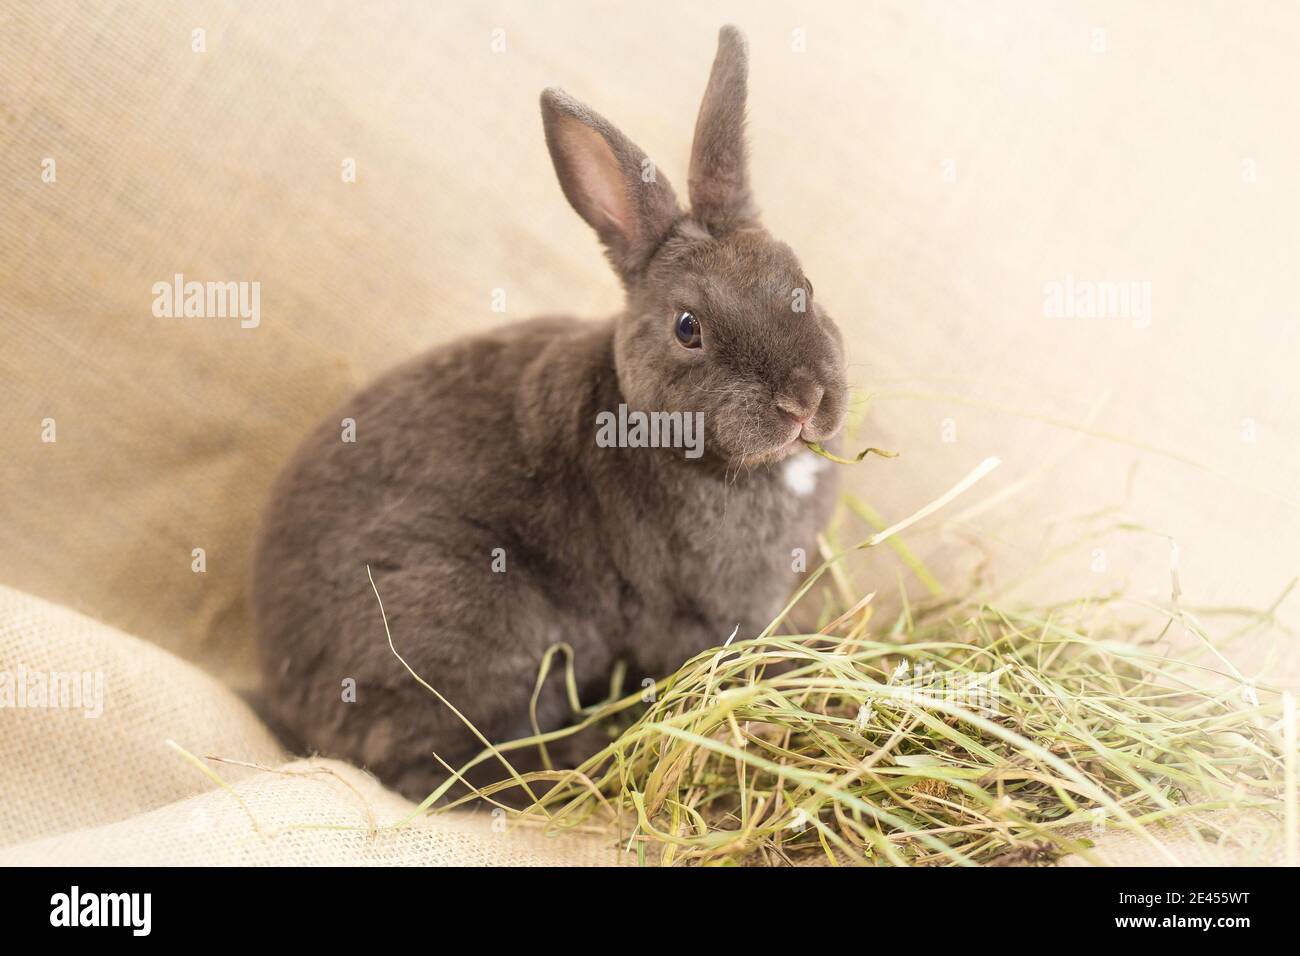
[957, 733]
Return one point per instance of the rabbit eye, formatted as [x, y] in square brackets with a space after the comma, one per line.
[687, 328]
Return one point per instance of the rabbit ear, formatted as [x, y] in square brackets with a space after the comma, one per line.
[609, 181]
[719, 180]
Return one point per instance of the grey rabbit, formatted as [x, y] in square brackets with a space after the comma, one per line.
[494, 521]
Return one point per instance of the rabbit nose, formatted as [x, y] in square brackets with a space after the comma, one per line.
[803, 407]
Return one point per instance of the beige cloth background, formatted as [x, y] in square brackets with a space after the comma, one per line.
[935, 165]
[108, 790]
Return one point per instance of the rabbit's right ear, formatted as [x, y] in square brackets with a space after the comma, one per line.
[609, 181]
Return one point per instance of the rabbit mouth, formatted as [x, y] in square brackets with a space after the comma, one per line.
[817, 429]
[798, 440]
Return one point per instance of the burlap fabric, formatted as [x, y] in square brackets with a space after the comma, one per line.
[87, 788]
[939, 168]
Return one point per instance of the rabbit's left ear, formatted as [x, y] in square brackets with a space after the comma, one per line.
[719, 179]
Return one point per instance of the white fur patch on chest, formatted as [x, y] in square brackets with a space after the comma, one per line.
[800, 472]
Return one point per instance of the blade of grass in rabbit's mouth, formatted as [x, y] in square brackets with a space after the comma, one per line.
[817, 448]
